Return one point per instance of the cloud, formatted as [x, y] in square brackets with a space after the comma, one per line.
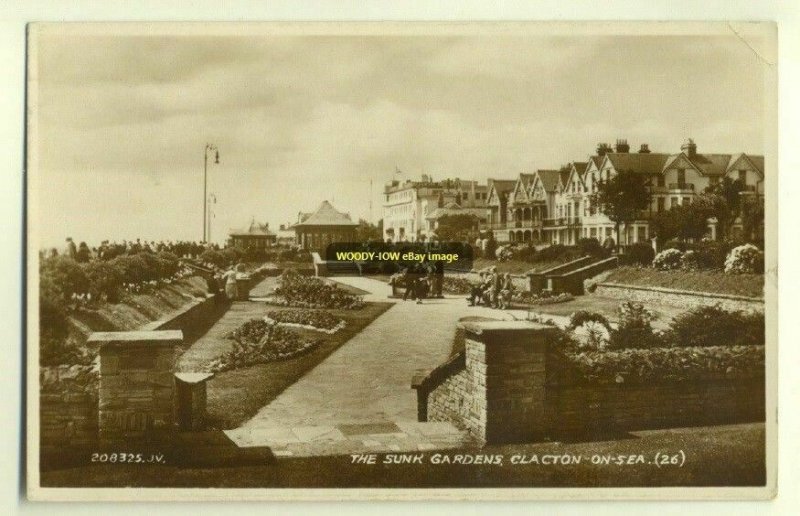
[124, 120]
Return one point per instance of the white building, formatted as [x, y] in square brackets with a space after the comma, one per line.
[409, 205]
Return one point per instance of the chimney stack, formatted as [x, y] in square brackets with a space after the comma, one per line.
[644, 149]
[622, 146]
[689, 148]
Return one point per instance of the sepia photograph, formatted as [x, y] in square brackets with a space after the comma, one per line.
[401, 260]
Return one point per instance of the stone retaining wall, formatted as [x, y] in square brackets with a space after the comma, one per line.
[193, 319]
[682, 298]
[505, 391]
[67, 419]
[580, 409]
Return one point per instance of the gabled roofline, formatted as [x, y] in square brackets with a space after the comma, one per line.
[744, 155]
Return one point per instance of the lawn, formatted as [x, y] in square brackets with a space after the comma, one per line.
[235, 396]
[751, 285]
[515, 266]
[732, 455]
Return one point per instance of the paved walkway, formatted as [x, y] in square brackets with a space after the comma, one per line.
[215, 342]
[360, 398]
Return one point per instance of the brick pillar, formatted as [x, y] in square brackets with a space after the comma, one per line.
[137, 387]
[505, 362]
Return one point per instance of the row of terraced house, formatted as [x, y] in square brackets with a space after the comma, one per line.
[554, 206]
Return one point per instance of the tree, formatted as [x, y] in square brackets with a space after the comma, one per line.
[621, 198]
[687, 221]
[728, 189]
[369, 232]
[456, 228]
[752, 213]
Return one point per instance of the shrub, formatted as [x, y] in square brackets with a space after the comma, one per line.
[634, 329]
[581, 317]
[711, 254]
[639, 253]
[690, 260]
[168, 264]
[713, 326]
[105, 280]
[133, 268]
[745, 259]
[456, 285]
[551, 253]
[525, 253]
[491, 246]
[676, 244]
[65, 276]
[213, 257]
[232, 255]
[592, 247]
[668, 259]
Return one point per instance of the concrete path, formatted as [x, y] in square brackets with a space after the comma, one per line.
[360, 398]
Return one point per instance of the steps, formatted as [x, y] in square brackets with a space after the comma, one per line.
[569, 277]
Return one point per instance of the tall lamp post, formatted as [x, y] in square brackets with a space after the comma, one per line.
[209, 147]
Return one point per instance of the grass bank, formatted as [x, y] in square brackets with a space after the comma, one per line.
[751, 285]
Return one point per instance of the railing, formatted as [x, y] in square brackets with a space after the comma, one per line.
[681, 186]
[513, 224]
[562, 221]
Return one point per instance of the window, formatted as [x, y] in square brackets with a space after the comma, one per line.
[743, 176]
[681, 177]
[673, 201]
[661, 201]
[641, 236]
[687, 200]
[660, 180]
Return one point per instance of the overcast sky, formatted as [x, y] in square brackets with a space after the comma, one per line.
[123, 120]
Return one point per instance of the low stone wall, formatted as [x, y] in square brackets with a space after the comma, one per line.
[681, 298]
[193, 319]
[575, 409]
[67, 419]
[504, 391]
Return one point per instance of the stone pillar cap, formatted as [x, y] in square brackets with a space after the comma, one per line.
[194, 377]
[155, 338]
[483, 327]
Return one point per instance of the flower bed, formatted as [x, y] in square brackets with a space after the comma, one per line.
[544, 298]
[661, 364]
[305, 292]
[259, 342]
[317, 320]
[456, 285]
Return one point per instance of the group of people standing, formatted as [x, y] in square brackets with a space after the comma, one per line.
[422, 281]
[226, 281]
[492, 289]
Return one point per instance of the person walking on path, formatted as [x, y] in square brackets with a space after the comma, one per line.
[411, 284]
[231, 288]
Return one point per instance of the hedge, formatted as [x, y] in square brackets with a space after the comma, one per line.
[660, 364]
